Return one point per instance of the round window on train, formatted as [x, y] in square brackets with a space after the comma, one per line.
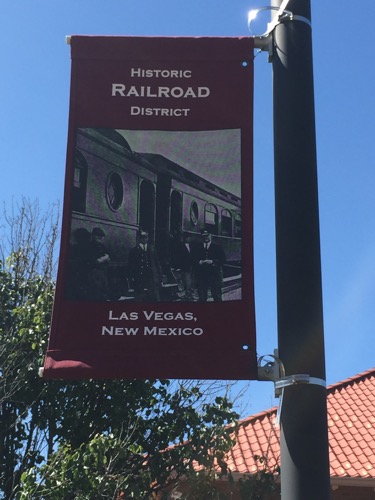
[114, 191]
[194, 213]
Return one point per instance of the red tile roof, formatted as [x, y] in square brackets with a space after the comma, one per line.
[351, 427]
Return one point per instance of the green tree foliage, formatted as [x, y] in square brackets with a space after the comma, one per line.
[263, 485]
[26, 294]
[86, 439]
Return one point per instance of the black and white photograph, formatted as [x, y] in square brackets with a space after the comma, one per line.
[155, 216]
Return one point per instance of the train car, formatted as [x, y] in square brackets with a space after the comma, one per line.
[121, 191]
[186, 202]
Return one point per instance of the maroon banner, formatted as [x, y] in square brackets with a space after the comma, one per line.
[155, 275]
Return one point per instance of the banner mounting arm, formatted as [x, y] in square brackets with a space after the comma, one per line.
[263, 41]
[275, 372]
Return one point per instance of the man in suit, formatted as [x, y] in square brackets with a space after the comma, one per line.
[144, 270]
[182, 260]
[209, 262]
[98, 260]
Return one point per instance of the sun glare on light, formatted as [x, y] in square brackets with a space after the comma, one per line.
[251, 16]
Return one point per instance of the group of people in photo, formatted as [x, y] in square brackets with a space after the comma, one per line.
[88, 266]
[195, 264]
[200, 264]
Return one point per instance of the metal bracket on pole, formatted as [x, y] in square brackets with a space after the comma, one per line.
[274, 371]
[271, 370]
[264, 42]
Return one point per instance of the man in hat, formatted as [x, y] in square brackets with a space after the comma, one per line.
[182, 260]
[144, 270]
[209, 262]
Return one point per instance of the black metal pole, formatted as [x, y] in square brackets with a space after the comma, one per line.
[304, 431]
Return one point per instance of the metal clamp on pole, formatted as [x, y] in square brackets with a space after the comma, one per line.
[298, 379]
[274, 371]
[263, 42]
[292, 380]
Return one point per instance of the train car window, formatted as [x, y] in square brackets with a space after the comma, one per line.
[211, 219]
[79, 182]
[226, 222]
[114, 191]
[194, 213]
[237, 226]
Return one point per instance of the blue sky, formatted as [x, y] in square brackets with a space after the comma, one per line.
[34, 98]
